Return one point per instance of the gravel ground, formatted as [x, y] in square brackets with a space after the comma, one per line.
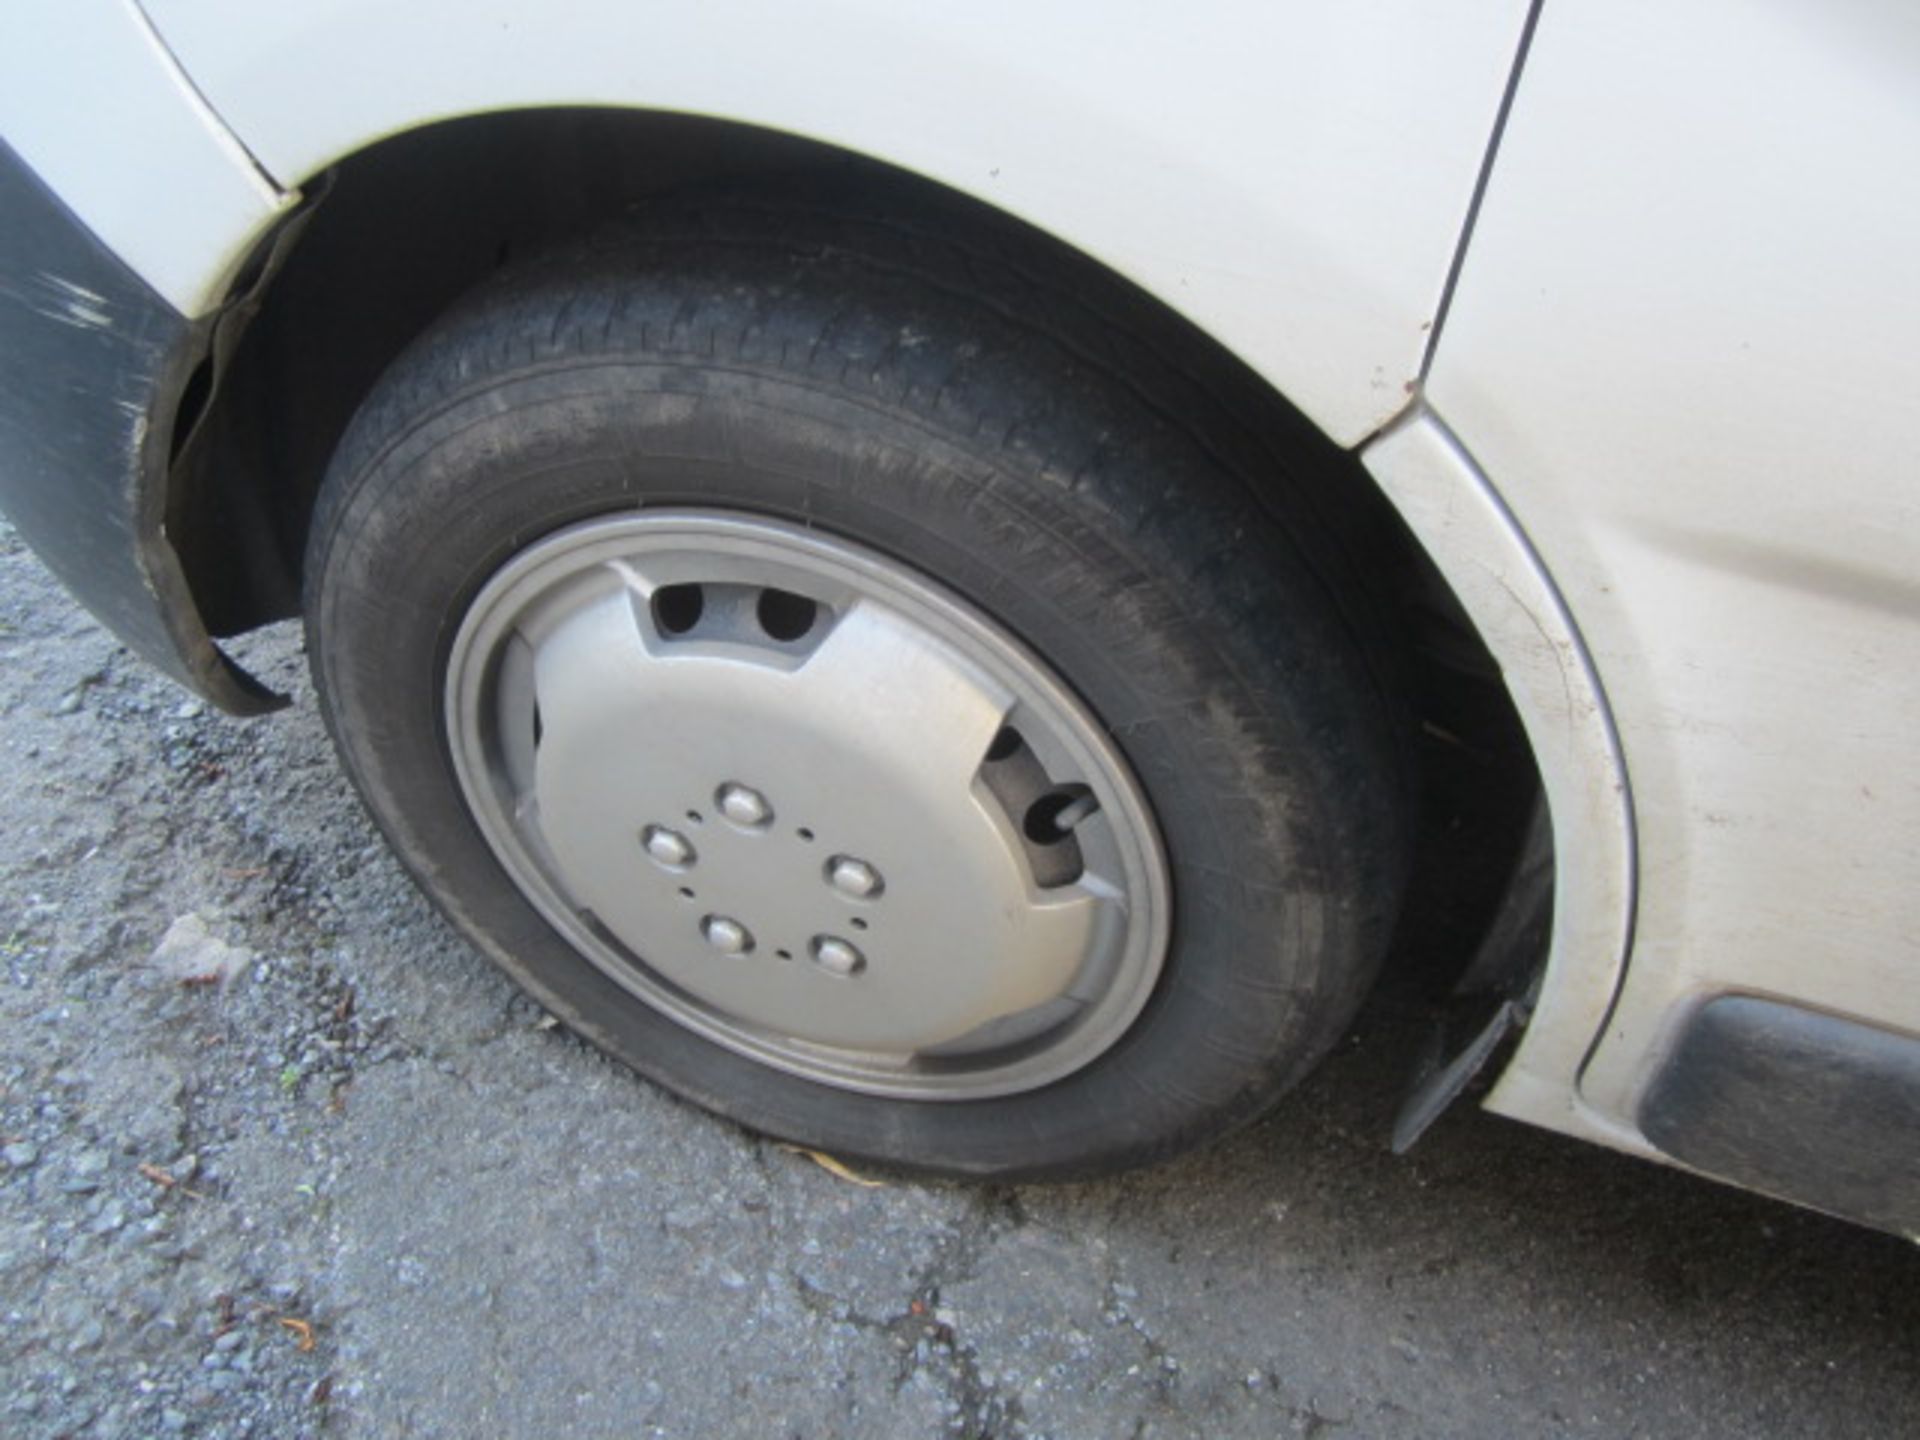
[283, 1158]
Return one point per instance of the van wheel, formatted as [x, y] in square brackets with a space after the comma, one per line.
[853, 707]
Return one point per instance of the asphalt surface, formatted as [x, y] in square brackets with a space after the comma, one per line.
[358, 1187]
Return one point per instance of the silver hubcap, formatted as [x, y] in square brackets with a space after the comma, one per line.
[808, 804]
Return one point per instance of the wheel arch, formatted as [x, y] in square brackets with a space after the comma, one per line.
[390, 236]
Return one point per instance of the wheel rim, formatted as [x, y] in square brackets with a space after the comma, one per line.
[808, 804]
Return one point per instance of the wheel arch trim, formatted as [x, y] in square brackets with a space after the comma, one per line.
[1461, 522]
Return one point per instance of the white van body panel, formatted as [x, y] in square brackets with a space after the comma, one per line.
[91, 100]
[1292, 177]
[1683, 346]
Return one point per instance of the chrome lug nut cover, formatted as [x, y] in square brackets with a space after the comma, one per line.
[744, 805]
[836, 956]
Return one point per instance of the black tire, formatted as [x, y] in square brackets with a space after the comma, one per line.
[906, 389]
